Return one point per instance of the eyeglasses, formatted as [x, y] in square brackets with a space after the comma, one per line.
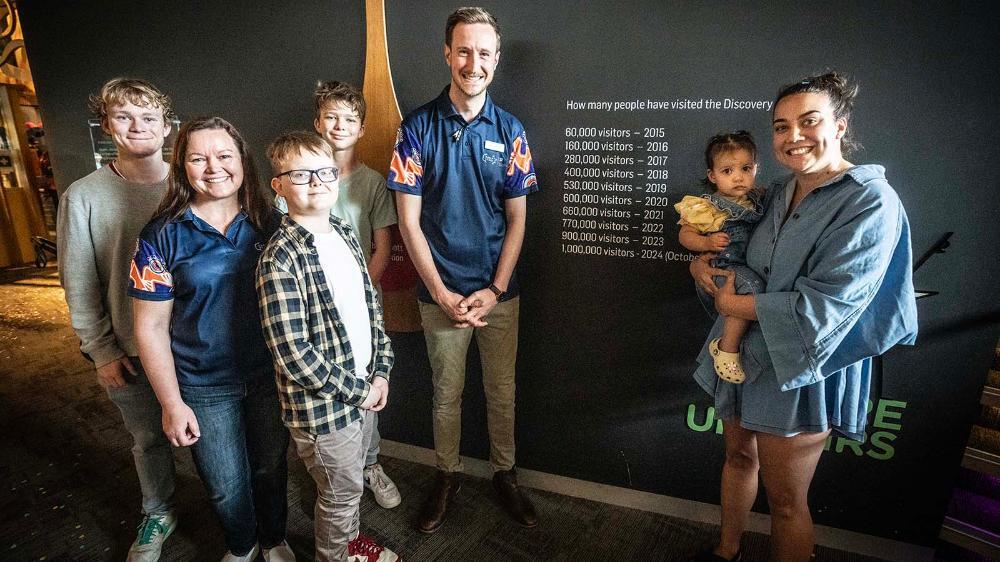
[303, 177]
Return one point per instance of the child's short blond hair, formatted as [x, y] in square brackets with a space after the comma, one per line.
[290, 145]
[118, 91]
[333, 91]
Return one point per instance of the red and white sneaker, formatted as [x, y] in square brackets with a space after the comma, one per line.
[365, 549]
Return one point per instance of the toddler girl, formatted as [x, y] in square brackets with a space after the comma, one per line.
[721, 222]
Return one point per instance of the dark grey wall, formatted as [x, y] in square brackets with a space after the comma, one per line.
[607, 345]
[254, 64]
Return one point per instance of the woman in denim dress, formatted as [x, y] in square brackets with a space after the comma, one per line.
[833, 250]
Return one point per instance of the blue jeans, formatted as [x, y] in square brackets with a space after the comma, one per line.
[152, 453]
[240, 458]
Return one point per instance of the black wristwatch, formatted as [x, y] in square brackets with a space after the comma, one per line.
[497, 292]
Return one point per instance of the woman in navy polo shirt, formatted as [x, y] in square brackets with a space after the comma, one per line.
[198, 330]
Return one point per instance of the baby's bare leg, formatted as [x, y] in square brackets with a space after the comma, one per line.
[733, 330]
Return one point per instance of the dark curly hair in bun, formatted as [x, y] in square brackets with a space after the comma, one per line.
[841, 92]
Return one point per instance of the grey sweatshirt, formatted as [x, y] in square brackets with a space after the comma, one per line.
[100, 217]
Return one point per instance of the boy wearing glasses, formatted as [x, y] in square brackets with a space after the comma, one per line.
[366, 204]
[323, 325]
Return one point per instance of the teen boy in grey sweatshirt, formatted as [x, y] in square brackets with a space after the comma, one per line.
[100, 217]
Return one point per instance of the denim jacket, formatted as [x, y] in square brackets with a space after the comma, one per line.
[839, 285]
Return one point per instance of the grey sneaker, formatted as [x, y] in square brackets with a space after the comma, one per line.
[150, 535]
[386, 492]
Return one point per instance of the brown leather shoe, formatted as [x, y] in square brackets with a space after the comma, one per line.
[435, 508]
[513, 499]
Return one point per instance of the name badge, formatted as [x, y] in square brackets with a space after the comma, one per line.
[498, 147]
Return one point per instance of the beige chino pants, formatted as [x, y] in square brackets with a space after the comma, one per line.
[447, 348]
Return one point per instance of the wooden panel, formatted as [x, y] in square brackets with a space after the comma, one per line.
[382, 121]
[375, 150]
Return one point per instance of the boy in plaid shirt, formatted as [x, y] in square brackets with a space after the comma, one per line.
[324, 327]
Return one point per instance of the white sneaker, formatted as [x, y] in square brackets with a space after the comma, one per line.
[248, 557]
[386, 492]
[279, 553]
[150, 534]
[365, 549]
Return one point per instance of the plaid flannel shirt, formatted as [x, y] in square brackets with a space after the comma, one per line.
[313, 362]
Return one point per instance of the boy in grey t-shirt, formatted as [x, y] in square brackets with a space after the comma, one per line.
[365, 203]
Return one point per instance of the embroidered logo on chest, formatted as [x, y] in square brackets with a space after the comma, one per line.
[493, 159]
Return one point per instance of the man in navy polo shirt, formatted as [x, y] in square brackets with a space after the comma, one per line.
[461, 169]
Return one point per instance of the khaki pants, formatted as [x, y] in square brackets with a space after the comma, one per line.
[447, 347]
[335, 461]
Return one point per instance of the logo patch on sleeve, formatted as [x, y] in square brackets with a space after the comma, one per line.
[148, 272]
[151, 276]
[406, 172]
[520, 157]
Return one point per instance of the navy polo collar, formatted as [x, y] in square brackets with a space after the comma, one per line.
[189, 215]
[203, 226]
[446, 110]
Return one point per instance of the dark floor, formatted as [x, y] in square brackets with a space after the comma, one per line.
[69, 491]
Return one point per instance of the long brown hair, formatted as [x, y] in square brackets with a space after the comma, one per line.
[180, 193]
